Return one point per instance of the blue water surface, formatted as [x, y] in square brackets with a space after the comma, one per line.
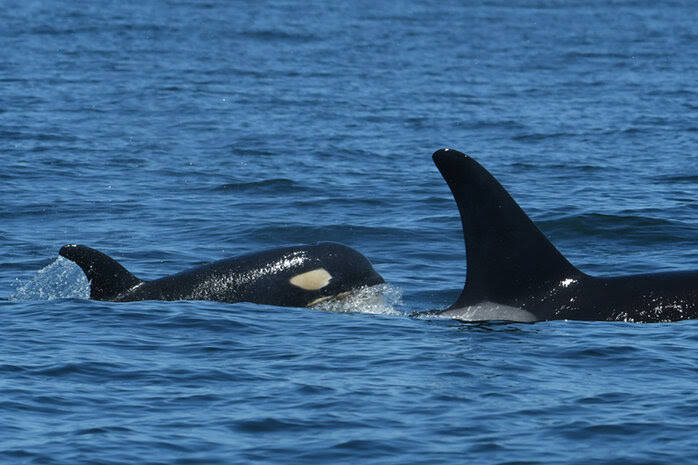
[169, 134]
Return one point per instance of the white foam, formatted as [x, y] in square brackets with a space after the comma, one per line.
[377, 300]
[60, 279]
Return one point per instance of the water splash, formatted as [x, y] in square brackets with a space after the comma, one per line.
[382, 299]
[61, 279]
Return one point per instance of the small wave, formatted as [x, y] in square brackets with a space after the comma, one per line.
[608, 221]
[61, 279]
[267, 185]
[375, 300]
[581, 54]
[629, 227]
[268, 425]
[268, 35]
[539, 136]
[568, 166]
[679, 179]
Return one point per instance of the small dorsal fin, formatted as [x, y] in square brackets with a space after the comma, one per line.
[107, 277]
[508, 257]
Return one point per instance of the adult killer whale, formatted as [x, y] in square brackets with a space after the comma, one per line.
[515, 274]
[298, 276]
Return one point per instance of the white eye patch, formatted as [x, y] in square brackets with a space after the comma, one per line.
[312, 280]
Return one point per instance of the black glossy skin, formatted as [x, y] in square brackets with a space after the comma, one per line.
[647, 298]
[262, 277]
[510, 262]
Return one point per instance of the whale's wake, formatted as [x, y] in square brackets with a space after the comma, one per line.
[381, 299]
[60, 279]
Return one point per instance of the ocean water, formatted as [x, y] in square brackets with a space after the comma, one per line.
[170, 134]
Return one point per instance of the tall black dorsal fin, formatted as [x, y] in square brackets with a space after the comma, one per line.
[107, 277]
[507, 255]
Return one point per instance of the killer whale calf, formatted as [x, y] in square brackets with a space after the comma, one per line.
[514, 273]
[297, 276]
